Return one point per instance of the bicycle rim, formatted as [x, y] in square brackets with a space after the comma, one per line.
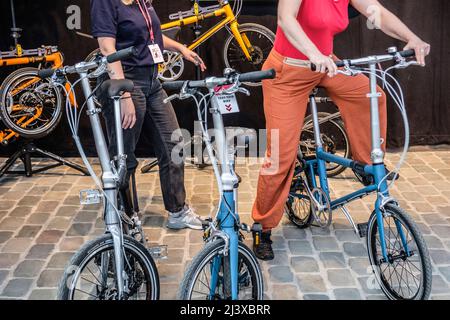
[407, 278]
[92, 277]
[261, 39]
[211, 261]
[30, 106]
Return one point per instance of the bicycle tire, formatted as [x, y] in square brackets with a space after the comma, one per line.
[101, 244]
[243, 28]
[208, 252]
[339, 123]
[407, 222]
[298, 222]
[5, 87]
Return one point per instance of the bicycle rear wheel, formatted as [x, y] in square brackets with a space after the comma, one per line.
[261, 39]
[29, 105]
[90, 274]
[196, 284]
[405, 276]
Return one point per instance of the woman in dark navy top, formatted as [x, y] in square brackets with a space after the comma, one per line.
[119, 24]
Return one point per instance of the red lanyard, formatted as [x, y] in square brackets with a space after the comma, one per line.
[148, 20]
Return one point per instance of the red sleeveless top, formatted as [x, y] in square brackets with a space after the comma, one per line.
[321, 20]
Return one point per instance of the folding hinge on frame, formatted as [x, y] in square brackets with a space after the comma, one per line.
[93, 112]
[374, 95]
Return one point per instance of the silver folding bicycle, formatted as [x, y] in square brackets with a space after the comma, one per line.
[116, 265]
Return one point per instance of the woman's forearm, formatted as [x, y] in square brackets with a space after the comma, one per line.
[384, 19]
[394, 27]
[107, 47]
[297, 36]
[172, 45]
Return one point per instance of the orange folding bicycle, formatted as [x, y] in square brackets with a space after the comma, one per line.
[29, 106]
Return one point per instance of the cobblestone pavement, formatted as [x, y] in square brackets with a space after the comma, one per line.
[42, 224]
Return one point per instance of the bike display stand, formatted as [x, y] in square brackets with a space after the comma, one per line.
[25, 155]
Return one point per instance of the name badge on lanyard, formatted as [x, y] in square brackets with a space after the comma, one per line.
[154, 48]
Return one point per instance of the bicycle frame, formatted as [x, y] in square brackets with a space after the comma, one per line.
[223, 10]
[109, 176]
[376, 169]
[228, 220]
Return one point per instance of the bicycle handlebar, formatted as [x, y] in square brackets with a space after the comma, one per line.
[85, 66]
[255, 76]
[46, 73]
[371, 59]
[122, 55]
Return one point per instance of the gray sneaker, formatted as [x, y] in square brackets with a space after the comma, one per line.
[184, 219]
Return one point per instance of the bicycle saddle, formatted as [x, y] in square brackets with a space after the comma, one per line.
[115, 88]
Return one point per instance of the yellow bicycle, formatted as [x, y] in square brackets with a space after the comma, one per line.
[246, 47]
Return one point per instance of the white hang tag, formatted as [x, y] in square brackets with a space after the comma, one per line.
[227, 102]
[157, 55]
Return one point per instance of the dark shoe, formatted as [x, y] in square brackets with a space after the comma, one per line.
[367, 179]
[263, 247]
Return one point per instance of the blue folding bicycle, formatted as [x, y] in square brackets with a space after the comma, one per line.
[225, 268]
[397, 251]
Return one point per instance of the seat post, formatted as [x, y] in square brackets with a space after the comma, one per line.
[118, 126]
[315, 116]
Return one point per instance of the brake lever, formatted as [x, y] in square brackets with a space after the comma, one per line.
[58, 78]
[404, 64]
[172, 97]
[99, 71]
[351, 72]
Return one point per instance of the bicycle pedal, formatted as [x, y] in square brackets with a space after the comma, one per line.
[159, 252]
[88, 197]
[206, 223]
[362, 229]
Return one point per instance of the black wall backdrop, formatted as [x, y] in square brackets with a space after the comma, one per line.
[427, 90]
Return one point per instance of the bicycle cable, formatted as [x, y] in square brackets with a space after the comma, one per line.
[398, 98]
[74, 130]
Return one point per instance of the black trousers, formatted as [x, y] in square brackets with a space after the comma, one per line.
[162, 127]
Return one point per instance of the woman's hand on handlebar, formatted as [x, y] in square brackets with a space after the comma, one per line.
[324, 64]
[421, 48]
[128, 112]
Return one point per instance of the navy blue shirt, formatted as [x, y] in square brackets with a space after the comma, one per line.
[112, 18]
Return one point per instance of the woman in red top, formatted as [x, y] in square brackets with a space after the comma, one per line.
[306, 30]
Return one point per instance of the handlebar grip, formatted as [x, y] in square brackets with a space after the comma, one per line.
[407, 53]
[46, 73]
[257, 76]
[121, 55]
[339, 64]
[173, 85]
[177, 85]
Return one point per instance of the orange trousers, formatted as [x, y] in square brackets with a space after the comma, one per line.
[285, 104]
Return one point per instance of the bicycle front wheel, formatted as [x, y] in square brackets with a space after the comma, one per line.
[91, 273]
[407, 273]
[211, 264]
[261, 40]
[29, 105]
